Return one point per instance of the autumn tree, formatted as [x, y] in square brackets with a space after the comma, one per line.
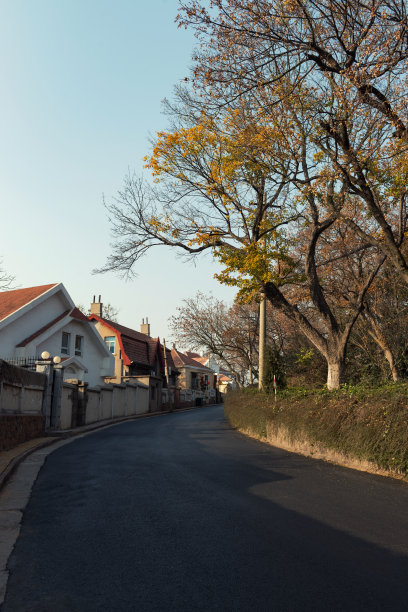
[240, 185]
[350, 58]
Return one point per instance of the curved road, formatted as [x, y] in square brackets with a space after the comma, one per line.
[181, 513]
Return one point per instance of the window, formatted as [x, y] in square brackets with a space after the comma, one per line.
[66, 339]
[110, 343]
[194, 380]
[79, 343]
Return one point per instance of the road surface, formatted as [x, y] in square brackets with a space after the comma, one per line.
[179, 512]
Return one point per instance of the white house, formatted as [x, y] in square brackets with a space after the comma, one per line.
[45, 318]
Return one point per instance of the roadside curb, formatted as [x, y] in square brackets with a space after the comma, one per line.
[15, 461]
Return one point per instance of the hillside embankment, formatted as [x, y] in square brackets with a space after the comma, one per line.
[359, 427]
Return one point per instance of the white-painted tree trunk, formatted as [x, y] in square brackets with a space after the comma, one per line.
[335, 369]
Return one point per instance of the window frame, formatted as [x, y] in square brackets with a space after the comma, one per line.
[66, 347]
[110, 342]
[80, 350]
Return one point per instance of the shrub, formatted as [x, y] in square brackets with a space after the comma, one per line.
[362, 422]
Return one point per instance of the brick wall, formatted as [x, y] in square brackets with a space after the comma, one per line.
[18, 428]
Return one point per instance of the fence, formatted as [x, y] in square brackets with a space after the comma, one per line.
[28, 363]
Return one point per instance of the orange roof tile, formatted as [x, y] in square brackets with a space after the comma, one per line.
[223, 378]
[183, 359]
[10, 301]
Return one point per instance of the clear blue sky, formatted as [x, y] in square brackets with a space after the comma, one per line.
[81, 85]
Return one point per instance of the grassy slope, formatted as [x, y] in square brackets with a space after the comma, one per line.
[363, 423]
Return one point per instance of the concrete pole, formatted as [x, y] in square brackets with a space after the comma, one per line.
[262, 334]
[166, 370]
[262, 318]
[167, 376]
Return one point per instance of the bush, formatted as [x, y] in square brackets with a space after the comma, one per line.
[362, 422]
[273, 368]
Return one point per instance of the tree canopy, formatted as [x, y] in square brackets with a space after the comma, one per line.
[286, 158]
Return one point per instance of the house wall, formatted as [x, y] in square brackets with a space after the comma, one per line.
[29, 322]
[92, 355]
[104, 331]
[184, 380]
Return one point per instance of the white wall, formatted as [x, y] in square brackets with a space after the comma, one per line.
[30, 322]
[93, 353]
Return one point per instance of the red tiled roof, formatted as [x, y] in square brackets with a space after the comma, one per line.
[223, 378]
[136, 350]
[10, 301]
[199, 359]
[43, 329]
[77, 314]
[136, 346]
[183, 359]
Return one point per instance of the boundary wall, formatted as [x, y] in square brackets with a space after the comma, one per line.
[83, 405]
[21, 404]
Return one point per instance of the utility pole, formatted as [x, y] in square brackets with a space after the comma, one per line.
[166, 371]
[262, 334]
[262, 319]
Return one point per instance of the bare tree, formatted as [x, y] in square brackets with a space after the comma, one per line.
[108, 312]
[6, 279]
[228, 333]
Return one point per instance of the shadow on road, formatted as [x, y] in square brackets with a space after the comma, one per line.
[184, 514]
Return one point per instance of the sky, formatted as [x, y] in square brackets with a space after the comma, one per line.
[81, 85]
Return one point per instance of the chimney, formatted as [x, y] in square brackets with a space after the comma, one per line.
[96, 307]
[145, 327]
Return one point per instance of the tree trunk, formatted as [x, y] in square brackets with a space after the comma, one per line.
[390, 358]
[379, 337]
[335, 371]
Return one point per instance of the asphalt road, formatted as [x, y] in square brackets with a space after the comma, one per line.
[181, 513]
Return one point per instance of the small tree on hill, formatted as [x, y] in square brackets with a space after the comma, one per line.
[273, 368]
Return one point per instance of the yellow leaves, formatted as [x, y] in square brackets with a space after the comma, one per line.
[244, 145]
[157, 225]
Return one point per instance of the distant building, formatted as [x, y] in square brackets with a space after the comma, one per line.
[225, 379]
[137, 356]
[195, 377]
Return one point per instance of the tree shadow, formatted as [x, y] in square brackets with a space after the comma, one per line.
[187, 515]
